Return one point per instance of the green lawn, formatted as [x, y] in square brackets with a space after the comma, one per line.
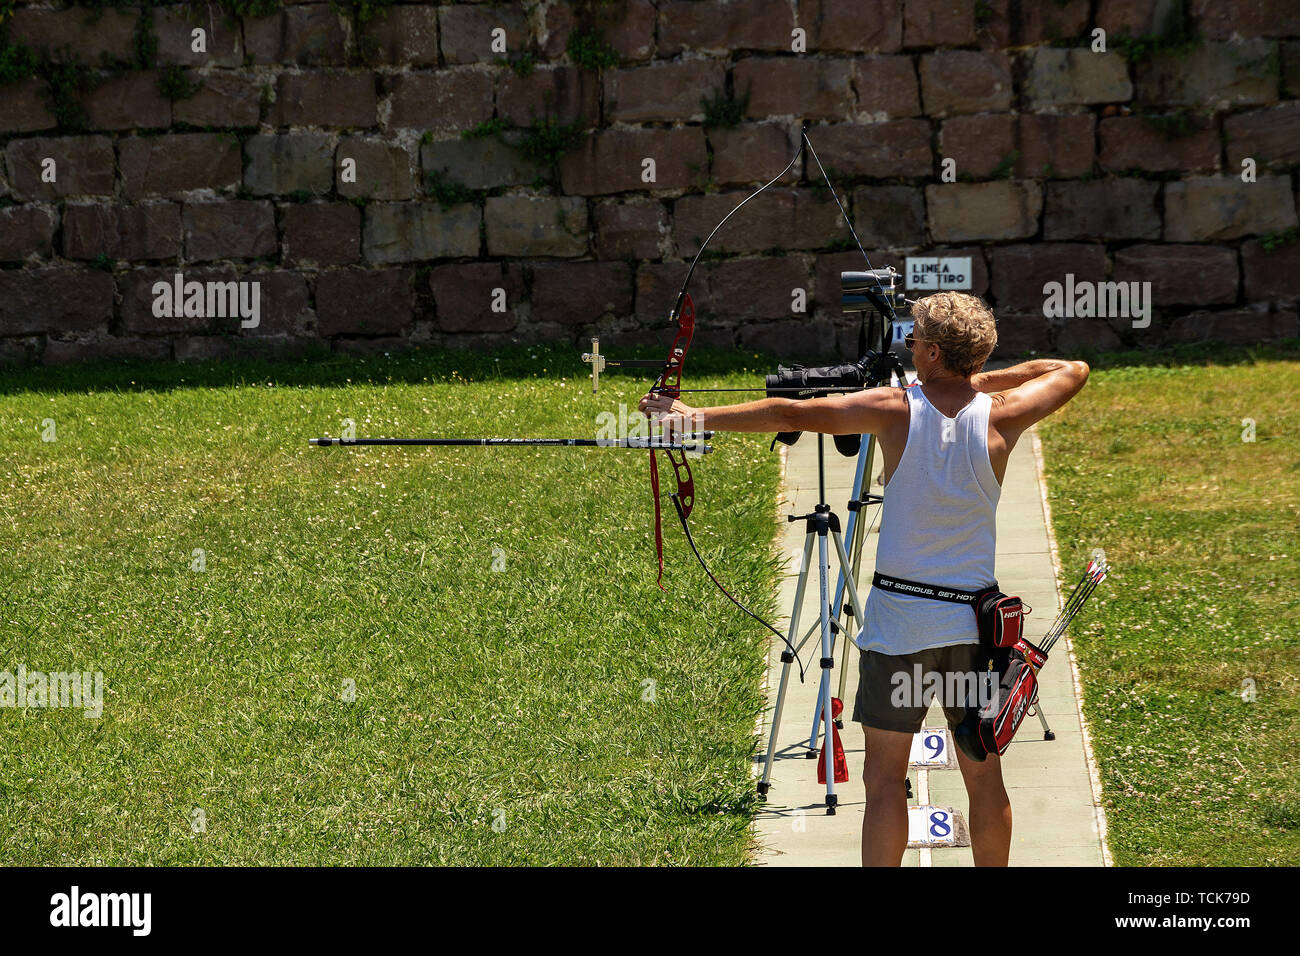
[517, 697]
[1203, 532]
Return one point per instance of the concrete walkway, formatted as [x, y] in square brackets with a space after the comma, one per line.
[1052, 784]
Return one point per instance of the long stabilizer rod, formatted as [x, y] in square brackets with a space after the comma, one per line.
[692, 442]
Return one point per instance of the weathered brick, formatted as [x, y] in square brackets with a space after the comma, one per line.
[1271, 137]
[611, 161]
[307, 34]
[128, 101]
[326, 234]
[174, 27]
[1021, 334]
[1205, 208]
[892, 217]
[83, 166]
[236, 229]
[853, 26]
[1134, 142]
[1019, 272]
[402, 36]
[383, 169]
[752, 152]
[464, 295]
[23, 108]
[230, 100]
[1264, 18]
[483, 162]
[373, 345]
[1128, 17]
[928, 23]
[630, 230]
[1291, 68]
[280, 164]
[1085, 332]
[325, 98]
[142, 294]
[786, 219]
[979, 144]
[814, 88]
[1235, 326]
[411, 231]
[446, 100]
[887, 86]
[54, 299]
[965, 81]
[1052, 145]
[536, 226]
[1048, 22]
[285, 305]
[1180, 274]
[177, 164]
[76, 33]
[1217, 75]
[628, 28]
[150, 231]
[727, 25]
[26, 231]
[1107, 209]
[369, 302]
[105, 348]
[802, 339]
[579, 293]
[761, 289]
[1271, 275]
[1058, 76]
[879, 150]
[662, 91]
[657, 285]
[19, 351]
[467, 32]
[565, 93]
[960, 212]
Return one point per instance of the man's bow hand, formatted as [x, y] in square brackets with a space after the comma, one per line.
[674, 415]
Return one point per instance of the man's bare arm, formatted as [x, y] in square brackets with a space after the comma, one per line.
[1030, 392]
[1003, 379]
[856, 413]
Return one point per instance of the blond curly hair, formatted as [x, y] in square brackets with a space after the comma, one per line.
[961, 325]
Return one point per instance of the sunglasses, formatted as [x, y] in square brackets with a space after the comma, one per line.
[909, 340]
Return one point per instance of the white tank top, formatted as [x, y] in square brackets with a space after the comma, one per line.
[938, 526]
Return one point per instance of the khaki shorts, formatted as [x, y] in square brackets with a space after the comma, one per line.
[891, 696]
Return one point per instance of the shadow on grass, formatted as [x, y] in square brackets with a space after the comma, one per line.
[325, 369]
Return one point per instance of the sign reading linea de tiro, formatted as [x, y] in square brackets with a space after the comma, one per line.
[935, 272]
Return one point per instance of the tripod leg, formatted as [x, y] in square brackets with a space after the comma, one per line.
[1048, 733]
[787, 659]
[827, 663]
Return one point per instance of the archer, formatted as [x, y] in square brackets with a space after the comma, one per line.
[947, 439]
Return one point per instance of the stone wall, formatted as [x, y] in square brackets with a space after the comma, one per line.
[393, 174]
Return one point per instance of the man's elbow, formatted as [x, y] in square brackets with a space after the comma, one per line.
[1081, 370]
